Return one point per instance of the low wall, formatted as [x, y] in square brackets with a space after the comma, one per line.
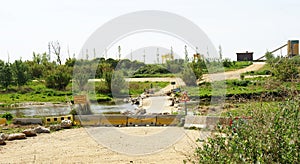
[205, 121]
[27, 121]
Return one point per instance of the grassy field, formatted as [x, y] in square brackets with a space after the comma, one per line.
[35, 92]
[238, 87]
[265, 70]
[38, 92]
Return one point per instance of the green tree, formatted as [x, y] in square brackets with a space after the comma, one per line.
[118, 83]
[286, 69]
[197, 67]
[5, 74]
[20, 72]
[188, 76]
[82, 72]
[59, 78]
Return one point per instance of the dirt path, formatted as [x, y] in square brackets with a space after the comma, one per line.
[232, 74]
[76, 146]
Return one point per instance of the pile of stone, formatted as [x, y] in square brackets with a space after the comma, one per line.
[31, 132]
[25, 133]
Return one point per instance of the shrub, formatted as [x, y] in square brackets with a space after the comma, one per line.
[59, 78]
[152, 69]
[7, 115]
[271, 136]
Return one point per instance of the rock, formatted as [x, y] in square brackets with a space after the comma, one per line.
[2, 139]
[55, 127]
[29, 132]
[16, 136]
[140, 111]
[3, 121]
[3, 136]
[66, 124]
[41, 129]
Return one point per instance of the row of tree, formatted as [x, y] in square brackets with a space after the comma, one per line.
[57, 75]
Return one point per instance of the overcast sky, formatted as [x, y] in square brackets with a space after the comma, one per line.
[237, 25]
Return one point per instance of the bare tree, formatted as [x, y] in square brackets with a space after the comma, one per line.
[56, 50]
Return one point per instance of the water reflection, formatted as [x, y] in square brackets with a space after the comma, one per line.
[53, 111]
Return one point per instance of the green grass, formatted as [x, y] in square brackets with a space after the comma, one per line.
[137, 88]
[238, 87]
[265, 70]
[153, 75]
[34, 92]
[245, 109]
[133, 88]
[238, 65]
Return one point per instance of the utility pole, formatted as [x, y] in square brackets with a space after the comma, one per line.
[94, 53]
[119, 49]
[131, 55]
[157, 55]
[8, 57]
[49, 53]
[172, 54]
[69, 52]
[105, 53]
[220, 52]
[186, 54]
[87, 54]
[144, 56]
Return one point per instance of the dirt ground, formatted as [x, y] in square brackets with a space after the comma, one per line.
[232, 74]
[77, 146]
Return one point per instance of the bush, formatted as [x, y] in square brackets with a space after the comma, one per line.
[59, 78]
[7, 115]
[152, 69]
[73, 112]
[271, 136]
[188, 76]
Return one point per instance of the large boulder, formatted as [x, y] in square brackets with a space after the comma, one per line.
[29, 132]
[2, 139]
[16, 136]
[41, 129]
[66, 123]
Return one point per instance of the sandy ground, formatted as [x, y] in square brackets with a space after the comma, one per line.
[77, 146]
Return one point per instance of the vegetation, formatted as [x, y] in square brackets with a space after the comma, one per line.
[7, 115]
[270, 136]
[152, 69]
[259, 132]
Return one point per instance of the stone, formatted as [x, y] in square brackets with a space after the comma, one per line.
[16, 136]
[3, 121]
[29, 132]
[2, 139]
[55, 127]
[66, 124]
[41, 129]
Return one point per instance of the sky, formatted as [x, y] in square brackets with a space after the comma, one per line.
[238, 26]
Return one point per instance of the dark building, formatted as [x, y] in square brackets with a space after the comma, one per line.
[244, 56]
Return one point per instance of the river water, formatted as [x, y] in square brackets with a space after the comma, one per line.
[63, 110]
